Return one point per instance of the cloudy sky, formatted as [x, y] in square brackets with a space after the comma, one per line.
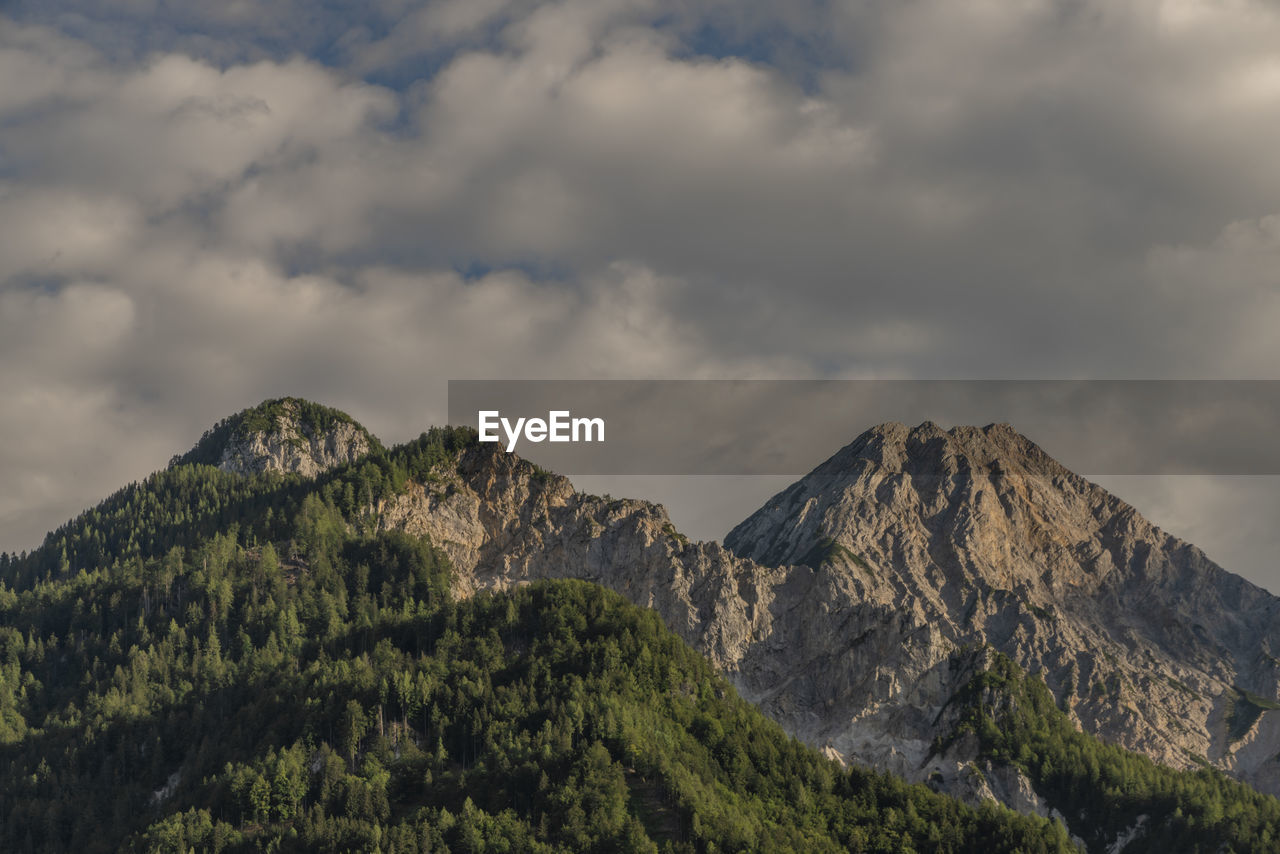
[206, 204]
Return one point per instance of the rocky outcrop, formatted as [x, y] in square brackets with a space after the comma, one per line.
[841, 607]
[294, 447]
[288, 435]
[502, 522]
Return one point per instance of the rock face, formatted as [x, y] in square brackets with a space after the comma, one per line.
[287, 435]
[293, 447]
[975, 536]
[841, 607]
[502, 522]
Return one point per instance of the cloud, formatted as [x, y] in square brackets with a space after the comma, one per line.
[166, 134]
[203, 205]
[105, 386]
[1222, 297]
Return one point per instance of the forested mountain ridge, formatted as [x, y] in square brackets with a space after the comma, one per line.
[319, 570]
[232, 679]
[1113, 799]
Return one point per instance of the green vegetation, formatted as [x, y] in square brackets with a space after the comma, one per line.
[670, 531]
[827, 550]
[184, 505]
[214, 663]
[1246, 708]
[220, 663]
[1103, 789]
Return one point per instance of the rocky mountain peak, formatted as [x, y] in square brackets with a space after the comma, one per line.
[286, 435]
[976, 536]
[930, 450]
[925, 473]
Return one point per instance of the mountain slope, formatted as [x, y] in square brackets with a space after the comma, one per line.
[977, 536]
[1116, 800]
[902, 549]
[837, 648]
[306, 684]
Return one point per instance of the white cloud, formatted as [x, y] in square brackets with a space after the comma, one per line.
[164, 134]
[195, 215]
[59, 231]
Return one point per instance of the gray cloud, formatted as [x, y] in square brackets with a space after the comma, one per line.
[203, 205]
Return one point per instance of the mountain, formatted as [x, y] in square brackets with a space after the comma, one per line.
[887, 574]
[839, 605]
[976, 536]
[947, 606]
[240, 662]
